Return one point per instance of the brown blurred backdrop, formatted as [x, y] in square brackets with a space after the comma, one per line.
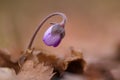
[93, 26]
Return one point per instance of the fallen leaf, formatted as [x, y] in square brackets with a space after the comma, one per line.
[5, 60]
[30, 71]
[73, 62]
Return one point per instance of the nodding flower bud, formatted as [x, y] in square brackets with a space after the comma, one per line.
[54, 34]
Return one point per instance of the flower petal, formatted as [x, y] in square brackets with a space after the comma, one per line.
[52, 40]
[54, 35]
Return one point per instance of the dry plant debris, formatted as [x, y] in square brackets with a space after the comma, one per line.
[73, 63]
[30, 71]
[5, 60]
[43, 66]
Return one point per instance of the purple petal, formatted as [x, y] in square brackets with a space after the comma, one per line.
[53, 35]
[52, 40]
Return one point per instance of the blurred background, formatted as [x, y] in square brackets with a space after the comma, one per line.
[93, 26]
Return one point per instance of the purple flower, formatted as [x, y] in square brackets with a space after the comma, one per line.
[54, 35]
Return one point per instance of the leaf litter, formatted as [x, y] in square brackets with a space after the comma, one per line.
[43, 66]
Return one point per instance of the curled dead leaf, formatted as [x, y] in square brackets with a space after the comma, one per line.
[73, 63]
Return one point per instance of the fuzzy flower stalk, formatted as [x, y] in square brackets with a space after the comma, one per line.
[54, 34]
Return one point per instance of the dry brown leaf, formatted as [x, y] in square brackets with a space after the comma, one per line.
[5, 60]
[52, 61]
[73, 62]
[33, 63]
[30, 71]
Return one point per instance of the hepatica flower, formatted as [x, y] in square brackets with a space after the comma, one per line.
[54, 35]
